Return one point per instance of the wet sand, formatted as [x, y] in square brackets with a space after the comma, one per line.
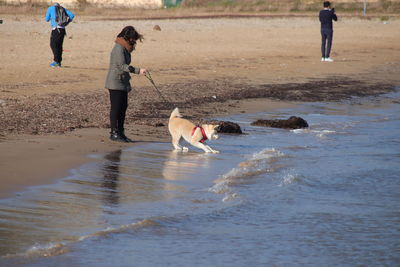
[51, 119]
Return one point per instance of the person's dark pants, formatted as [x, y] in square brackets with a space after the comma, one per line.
[327, 35]
[56, 43]
[119, 105]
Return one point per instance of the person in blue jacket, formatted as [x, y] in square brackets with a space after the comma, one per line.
[326, 16]
[58, 32]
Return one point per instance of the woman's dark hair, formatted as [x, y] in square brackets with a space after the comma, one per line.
[129, 33]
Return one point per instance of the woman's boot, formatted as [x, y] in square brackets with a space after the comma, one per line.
[122, 134]
[116, 136]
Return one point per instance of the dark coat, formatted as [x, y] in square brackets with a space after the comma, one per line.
[118, 77]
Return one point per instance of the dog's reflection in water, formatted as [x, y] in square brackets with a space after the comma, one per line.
[111, 173]
[180, 166]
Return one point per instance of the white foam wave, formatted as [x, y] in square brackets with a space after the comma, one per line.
[230, 197]
[226, 190]
[39, 250]
[289, 178]
[47, 250]
[256, 164]
[54, 249]
[299, 131]
[266, 154]
[318, 133]
[323, 133]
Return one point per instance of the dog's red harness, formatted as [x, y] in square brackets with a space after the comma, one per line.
[203, 133]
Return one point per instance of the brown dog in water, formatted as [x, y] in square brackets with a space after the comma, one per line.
[194, 135]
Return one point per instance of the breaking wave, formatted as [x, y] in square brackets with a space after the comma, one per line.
[289, 178]
[55, 249]
[259, 163]
[318, 133]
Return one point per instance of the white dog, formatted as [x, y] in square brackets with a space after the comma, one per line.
[194, 135]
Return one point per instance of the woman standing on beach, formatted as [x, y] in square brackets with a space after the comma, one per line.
[118, 80]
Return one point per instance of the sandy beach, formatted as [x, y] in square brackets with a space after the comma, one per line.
[52, 118]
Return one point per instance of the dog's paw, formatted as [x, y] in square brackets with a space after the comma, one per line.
[185, 149]
[215, 151]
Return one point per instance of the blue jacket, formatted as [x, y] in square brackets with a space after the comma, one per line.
[51, 15]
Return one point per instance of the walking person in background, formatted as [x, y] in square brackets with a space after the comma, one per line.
[59, 18]
[118, 80]
[326, 16]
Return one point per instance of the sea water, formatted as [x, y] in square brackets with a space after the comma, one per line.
[328, 195]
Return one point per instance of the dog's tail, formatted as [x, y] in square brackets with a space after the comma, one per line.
[175, 114]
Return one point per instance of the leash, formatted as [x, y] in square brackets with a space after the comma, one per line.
[148, 76]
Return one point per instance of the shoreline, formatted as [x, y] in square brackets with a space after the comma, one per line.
[49, 158]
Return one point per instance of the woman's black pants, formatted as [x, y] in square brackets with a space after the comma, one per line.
[119, 104]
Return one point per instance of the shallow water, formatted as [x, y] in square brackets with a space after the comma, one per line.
[324, 196]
